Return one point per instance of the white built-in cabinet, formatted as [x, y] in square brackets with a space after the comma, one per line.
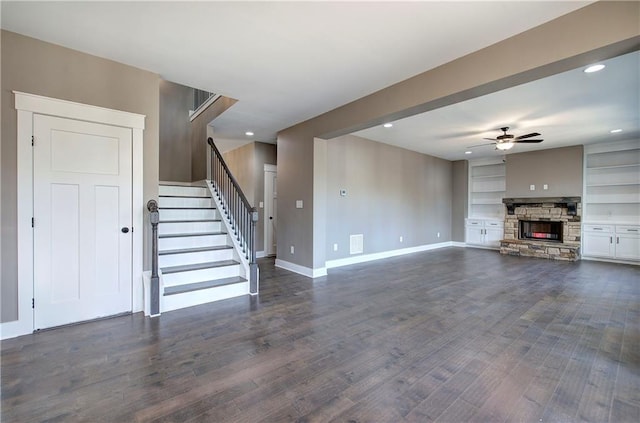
[611, 205]
[484, 232]
[487, 185]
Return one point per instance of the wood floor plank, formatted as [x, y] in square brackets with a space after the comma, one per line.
[449, 335]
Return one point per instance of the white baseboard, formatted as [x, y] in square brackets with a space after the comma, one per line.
[607, 260]
[386, 254]
[260, 254]
[14, 329]
[301, 270]
[458, 244]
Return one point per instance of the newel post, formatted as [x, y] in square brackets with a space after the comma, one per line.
[253, 265]
[154, 218]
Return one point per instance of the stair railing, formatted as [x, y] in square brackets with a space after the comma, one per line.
[154, 218]
[236, 207]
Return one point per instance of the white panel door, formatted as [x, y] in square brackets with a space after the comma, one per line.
[270, 209]
[83, 214]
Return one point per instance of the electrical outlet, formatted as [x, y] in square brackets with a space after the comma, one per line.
[438, 234]
[400, 238]
[292, 249]
[335, 247]
[545, 186]
[532, 187]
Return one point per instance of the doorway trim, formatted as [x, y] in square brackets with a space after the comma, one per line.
[27, 105]
[274, 169]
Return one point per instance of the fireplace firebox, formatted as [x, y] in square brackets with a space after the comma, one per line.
[540, 230]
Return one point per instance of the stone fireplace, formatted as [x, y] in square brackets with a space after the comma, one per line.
[544, 227]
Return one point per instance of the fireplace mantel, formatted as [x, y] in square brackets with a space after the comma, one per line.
[571, 203]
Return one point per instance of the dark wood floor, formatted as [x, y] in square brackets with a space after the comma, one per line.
[450, 335]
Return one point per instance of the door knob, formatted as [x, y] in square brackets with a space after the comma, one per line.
[270, 217]
[125, 230]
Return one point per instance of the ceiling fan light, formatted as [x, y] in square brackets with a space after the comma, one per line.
[504, 146]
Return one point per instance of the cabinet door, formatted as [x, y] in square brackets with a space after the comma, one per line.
[628, 246]
[598, 244]
[493, 236]
[474, 235]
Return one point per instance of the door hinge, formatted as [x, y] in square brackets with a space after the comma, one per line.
[33, 222]
[32, 140]
[33, 303]
[132, 229]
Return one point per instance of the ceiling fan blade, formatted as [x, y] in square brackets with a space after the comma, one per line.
[533, 134]
[528, 141]
[481, 145]
[491, 139]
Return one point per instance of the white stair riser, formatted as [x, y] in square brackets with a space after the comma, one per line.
[186, 191]
[194, 276]
[178, 243]
[168, 260]
[184, 202]
[188, 214]
[188, 227]
[188, 299]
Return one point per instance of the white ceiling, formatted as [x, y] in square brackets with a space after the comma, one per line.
[287, 62]
[570, 108]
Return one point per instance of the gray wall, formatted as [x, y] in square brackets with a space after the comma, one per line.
[559, 168]
[198, 134]
[175, 144]
[391, 192]
[36, 67]
[246, 163]
[596, 32]
[460, 198]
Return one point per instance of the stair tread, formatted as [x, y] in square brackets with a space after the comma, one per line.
[190, 220]
[186, 208]
[198, 266]
[183, 196]
[179, 289]
[190, 234]
[195, 250]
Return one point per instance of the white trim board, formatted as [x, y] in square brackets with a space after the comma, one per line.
[301, 270]
[330, 264]
[27, 105]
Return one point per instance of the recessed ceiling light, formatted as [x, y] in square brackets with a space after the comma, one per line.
[249, 133]
[594, 68]
[615, 131]
[388, 125]
[468, 152]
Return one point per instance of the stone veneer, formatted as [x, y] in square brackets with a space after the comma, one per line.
[539, 210]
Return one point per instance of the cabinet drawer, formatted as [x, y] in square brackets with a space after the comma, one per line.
[493, 224]
[628, 230]
[607, 229]
[475, 222]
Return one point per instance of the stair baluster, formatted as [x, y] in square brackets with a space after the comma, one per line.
[241, 214]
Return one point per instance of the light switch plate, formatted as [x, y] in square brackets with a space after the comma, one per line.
[298, 204]
[261, 204]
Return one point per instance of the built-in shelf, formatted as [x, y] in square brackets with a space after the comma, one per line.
[487, 185]
[612, 183]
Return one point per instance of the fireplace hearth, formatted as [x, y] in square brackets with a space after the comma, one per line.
[544, 227]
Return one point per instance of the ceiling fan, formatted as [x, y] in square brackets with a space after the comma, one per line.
[506, 141]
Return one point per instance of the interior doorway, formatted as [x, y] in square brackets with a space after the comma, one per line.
[270, 209]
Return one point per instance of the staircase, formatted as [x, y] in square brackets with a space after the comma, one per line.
[196, 255]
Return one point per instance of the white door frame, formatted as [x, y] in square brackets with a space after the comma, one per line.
[267, 168]
[27, 105]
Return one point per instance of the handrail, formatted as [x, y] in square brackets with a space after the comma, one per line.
[242, 216]
[154, 218]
